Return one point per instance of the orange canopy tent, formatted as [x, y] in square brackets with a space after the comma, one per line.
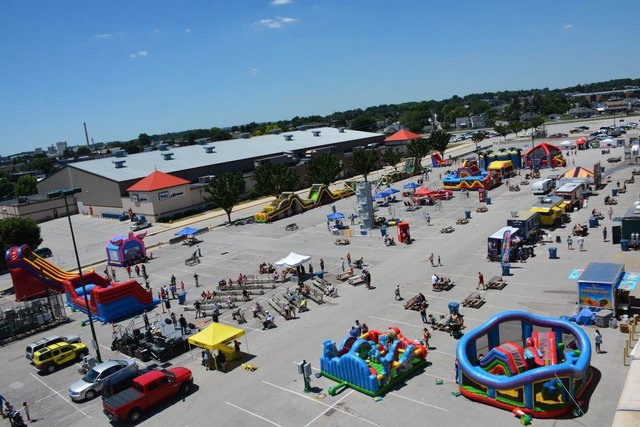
[402, 135]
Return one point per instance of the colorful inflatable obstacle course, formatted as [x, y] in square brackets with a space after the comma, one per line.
[373, 362]
[33, 277]
[471, 177]
[126, 250]
[544, 155]
[437, 161]
[542, 370]
[288, 204]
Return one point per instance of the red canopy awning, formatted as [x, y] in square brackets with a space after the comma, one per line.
[403, 135]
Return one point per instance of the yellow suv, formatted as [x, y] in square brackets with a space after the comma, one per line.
[49, 358]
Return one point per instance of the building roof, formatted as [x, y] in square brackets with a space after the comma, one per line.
[403, 135]
[195, 156]
[601, 272]
[157, 180]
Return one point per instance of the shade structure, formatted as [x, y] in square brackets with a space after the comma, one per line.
[215, 335]
[403, 135]
[577, 172]
[422, 192]
[334, 216]
[380, 195]
[411, 186]
[389, 191]
[292, 260]
[187, 231]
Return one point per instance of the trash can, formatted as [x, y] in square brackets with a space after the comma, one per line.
[488, 199]
[593, 222]
[506, 270]
[558, 239]
[614, 192]
[454, 307]
[613, 323]
[603, 317]
[320, 274]
[182, 297]
[383, 231]
[467, 214]
[624, 245]
[553, 252]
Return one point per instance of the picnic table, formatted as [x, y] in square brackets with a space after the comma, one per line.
[192, 260]
[496, 282]
[355, 280]
[342, 241]
[291, 227]
[474, 300]
[344, 275]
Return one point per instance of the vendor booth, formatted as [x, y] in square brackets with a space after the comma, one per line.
[494, 244]
[292, 260]
[218, 337]
[551, 210]
[403, 232]
[527, 222]
[126, 250]
[606, 286]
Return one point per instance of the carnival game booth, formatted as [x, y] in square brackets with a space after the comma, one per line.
[218, 336]
[519, 361]
[544, 155]
[471, 177]
[126, 250]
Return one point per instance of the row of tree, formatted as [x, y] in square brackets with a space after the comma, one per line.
[16, 232]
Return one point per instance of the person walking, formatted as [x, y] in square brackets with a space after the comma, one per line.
[342, 264]
[128, 269]
[610, 212]
[106, 272]
[137, 268]
[431, 260]
[198, 307]
[397, 293]
[113, 274]
[439, 264]
[427, 217]
[569, 243]
[481, 281]
[195, 277]
[348, 258]
[172, 288]
[183, 325]
[598, 341]
[143, 269]
[145, 317]
[423, 312]
[174, 319]
[581, 243]
[205, 359]
[321, 264]
[604, 234]
[199, 252]
[425, 337]
[161, 297]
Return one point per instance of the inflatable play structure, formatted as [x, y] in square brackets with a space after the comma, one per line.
[373, 362]
[471, 177]
[410, 167]
[33, 277]
[437, 161]
[544, 155]
[288, 204]
[514, 155]
[126, 250]
[537, 365]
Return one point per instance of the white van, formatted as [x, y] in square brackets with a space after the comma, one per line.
[542, 186]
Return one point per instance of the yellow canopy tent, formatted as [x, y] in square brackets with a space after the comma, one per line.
[215, 337]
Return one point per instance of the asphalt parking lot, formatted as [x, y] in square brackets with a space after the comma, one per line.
[273, 394]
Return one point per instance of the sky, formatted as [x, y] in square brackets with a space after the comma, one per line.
[156, 66]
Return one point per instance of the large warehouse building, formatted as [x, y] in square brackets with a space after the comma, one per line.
[105, 182]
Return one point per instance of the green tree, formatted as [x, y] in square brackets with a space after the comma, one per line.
[225, 190]
[391, 157]
[83, 150]
[516, 126]
[273, 179]
[18, 231]
[27, 185]
[323, 169]
[536, 122]
[363, 162]
[41, 163]
[502, 130]
[67, 153]
[418, 147]
[363, 122]
[7, 189]
[477, 138]
[439, 140]
[144, 139]
[218, 134]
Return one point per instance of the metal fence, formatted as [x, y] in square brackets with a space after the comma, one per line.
[19, 319]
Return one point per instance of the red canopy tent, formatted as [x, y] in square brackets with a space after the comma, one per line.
[403, 135]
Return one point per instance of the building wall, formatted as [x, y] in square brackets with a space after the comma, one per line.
[39, 211]
[158, 204]
[96, 190]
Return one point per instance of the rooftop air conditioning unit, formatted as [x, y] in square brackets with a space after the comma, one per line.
[288, 137]
[341, 130]
[119, 164]
[315, 132]
[162, 147]
[209, 149]
[120, 153]
[206, 179]
[167, 156]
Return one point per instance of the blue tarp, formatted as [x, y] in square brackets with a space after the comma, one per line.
[187, 231]
[585, 317]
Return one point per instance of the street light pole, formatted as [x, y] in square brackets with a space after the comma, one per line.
[64, 194]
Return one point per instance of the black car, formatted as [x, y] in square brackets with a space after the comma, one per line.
[43, 252]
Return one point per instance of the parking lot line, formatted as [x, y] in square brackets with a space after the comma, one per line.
[418, 402]
[329, 408]
[61, 396]
[254, 414]
[321, 403]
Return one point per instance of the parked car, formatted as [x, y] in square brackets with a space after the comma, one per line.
[140, 225]
[120, 381]
[558, 135]
[576, 130]
[43, 252]
[91, 383]
[146, 391]
[42, 343]
[57, 355]
[583, 127]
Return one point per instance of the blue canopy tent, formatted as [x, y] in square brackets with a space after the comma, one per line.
[187, 231]
[411, 186]
[334, 216]
[389, 191]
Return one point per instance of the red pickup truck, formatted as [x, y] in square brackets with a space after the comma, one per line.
[146, 391]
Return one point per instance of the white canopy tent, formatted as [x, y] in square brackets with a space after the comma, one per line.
[566, 145]
[292, 260]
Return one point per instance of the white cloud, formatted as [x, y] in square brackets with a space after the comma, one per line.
[278, 22]
[280, 2]
[187, 30]
[104, 36]
[138, 54]
[254, 71]
[142, 53]
[133, 56]
[567, 27]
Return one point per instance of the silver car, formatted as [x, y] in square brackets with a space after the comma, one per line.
[91, 384]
